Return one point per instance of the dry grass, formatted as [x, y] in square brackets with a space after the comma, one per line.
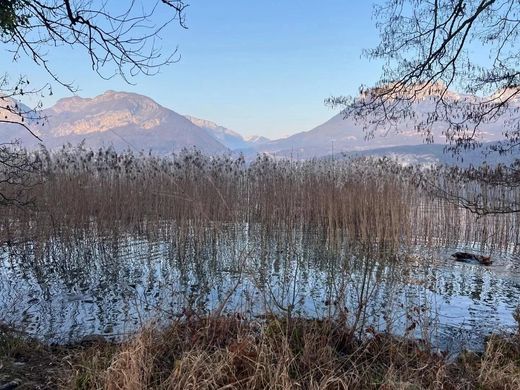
[229, 353]
[218, 353]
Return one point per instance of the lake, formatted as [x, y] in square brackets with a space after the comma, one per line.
[63, 290]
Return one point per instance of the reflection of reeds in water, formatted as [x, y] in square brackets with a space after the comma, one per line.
[118, 283]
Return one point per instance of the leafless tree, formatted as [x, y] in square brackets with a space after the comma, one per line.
[431, 47]
[19, 172]
[12, 111]
[117, 37]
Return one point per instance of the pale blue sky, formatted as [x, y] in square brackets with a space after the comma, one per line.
[258, 67]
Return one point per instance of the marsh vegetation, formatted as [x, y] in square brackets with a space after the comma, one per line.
[263, 260]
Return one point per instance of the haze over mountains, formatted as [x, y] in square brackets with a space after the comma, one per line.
[131, 121]
[227, 137]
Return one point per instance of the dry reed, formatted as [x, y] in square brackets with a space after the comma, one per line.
[365, 200]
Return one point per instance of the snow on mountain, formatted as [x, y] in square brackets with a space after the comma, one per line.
[229, 138]
[255, 140]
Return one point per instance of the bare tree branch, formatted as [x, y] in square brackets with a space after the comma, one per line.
[429, 49]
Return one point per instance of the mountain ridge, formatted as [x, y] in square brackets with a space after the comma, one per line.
[128, 120]
[122, 120]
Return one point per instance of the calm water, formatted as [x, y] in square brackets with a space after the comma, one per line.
[62, 291]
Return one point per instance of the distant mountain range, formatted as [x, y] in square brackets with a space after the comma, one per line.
[131, 121]
[227, 137]
[341, 134]
[432, 154]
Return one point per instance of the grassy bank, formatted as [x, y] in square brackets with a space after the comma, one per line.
[226, 352]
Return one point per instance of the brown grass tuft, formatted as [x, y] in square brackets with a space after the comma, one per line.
[227, 353]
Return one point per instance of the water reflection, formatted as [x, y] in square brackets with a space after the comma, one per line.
[63, 290]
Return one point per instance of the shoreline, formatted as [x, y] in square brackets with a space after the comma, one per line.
[224, 351]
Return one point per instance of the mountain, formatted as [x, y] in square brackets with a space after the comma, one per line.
[227, 137]
[122, 120]
[433, 154]
[256, 140]
[127, 120]
[345, 135]
[12, 129]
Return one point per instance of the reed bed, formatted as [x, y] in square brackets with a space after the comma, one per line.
[365, 200]
[345, 223]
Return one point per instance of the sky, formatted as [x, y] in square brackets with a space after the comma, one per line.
[257, 67]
